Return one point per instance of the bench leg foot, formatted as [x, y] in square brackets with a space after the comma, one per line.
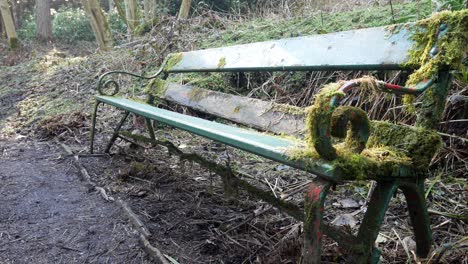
[93, 126]
[415, 198]
[369, 229]
[116, 132]
[313, 207]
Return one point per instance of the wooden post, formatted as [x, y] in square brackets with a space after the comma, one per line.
[185, 9]
[9, 24]
[98, 24]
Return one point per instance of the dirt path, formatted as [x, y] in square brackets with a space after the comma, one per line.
[48, 216]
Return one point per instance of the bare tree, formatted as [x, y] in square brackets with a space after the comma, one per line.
[131, 8]
[98, 24]
[120, 10]
[43, 20]
[150, 9]
[8, 24]
[185, 9]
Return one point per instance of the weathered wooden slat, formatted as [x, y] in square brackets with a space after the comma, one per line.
[263, 115]
[371, 49]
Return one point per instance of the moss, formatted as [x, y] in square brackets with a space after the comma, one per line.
[321, 112]
[156, 88]
[197, 94]
[451, 53]
[370, 164]
[389, 147]
[13, 43]
[236, 109]
[172, 60]
[288, 109]
[141, 169]
[222, 62]
[418, 143]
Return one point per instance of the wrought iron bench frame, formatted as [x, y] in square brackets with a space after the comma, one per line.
[395, 44]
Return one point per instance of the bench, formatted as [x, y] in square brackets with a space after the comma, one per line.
[381, 151]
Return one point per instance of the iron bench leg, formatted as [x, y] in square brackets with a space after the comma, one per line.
[370, 226]
[116, 132]
[415, 198]
[150, 129]
[313, 212]
[93, 126]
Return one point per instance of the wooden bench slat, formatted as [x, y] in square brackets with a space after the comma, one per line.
[363, 49]
[256, 113]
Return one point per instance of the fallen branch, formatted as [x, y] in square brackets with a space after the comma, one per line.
[155, 253]
[450, 215]
[152, 251]
[136, 222]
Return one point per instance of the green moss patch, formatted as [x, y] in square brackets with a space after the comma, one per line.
[172, 60]
[156, 88]
[222, 62]
[390, 147]
[417, 143]
[451, 52]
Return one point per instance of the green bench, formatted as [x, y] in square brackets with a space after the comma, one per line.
[380, 151]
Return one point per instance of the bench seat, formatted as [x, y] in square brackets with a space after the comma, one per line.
[269, 146]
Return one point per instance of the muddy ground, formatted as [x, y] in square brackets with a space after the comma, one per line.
[49, 216]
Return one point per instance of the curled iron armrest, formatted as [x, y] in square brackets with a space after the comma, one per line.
[105, 83]
[337, 121]
[383, 86]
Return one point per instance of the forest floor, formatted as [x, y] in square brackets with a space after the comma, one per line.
[48, 215]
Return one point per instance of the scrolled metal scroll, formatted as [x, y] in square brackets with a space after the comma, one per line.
[105, 84]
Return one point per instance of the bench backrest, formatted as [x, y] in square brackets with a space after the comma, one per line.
[380, 48]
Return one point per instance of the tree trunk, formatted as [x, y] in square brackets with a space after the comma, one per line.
[185, 9]
[111, 5]
[9, 24]
[131, 14]
[120, 10]
[98, 24]
[150, 9]
[43, 20]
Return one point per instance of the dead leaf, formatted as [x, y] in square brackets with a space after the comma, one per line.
[345, 220]
[349, 203]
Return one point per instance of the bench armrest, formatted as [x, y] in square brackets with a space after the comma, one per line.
[105, 82]
[331, 120]
[324, 121]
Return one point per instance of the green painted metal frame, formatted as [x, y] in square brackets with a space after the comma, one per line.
[362, 246]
